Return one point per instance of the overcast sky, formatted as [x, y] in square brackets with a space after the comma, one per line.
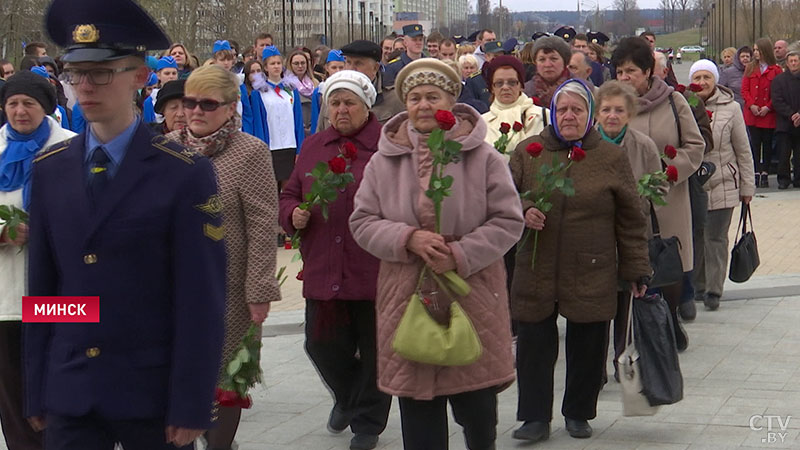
[569, 5]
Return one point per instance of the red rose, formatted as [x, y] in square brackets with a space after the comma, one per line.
[536, 101]
[710, 114]
[505, 128]
[694, 87]
[534, 149]
[349, 151]
[577, 154]
[672, 174]
[670, 152]
[681, 88]
[245, 403]
[446, 119]
[226, 398]
[337, 165]
[517, 127]
[300, 275]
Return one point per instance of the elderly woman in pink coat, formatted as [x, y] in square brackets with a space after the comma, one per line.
[480, 221]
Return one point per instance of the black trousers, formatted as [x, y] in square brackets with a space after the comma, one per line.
[425, 421]
[92, 432]
[789, 151]
[17, 432]
[761, 146]
[341, 342]
[537, 352]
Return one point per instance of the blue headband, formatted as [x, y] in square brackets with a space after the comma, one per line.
[165, 63]
[40, 70]
[590, 105]
[220, 46]
[335, 55]
[270, 51]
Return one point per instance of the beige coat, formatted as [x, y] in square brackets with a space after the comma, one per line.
[590, 240]
[483, 214]
[533, 119]
[731, 154]
[644, 159]
[656, 119]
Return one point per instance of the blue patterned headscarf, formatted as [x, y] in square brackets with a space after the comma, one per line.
[586, 93]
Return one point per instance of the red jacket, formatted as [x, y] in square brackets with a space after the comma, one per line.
[756, 90]
[334, 266]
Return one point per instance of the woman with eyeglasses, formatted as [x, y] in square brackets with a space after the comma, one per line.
[505, 76]
[249, 200]
[277, 114]
[301, 77]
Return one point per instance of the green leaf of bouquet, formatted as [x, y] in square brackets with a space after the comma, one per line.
[297, 257]
[447, 182]
[233, 367]
[436, 184]
[436, 139]
[243, 355]
[325, 211]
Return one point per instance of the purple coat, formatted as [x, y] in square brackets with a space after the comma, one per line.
[334, 266]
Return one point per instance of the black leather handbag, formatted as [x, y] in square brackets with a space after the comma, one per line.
[665, 256]
[744, 256]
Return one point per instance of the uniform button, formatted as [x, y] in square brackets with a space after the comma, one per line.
[91, 258]
[338, 239]
[213, 418]
[594, 260]
[93, 352]
[335, 288]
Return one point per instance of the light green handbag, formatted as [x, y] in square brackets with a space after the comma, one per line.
[420, 338]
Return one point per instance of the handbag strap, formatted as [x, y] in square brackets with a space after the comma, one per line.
[743, 216]
[629, 325]
[654, 221]
[677, 119]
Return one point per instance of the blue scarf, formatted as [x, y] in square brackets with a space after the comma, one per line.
[16, 162]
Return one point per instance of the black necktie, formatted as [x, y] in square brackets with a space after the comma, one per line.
[98, 173]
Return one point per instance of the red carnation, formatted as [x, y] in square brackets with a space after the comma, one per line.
[517, 127]
[337, 165]
[670, 152]
[672, 174]
[446, 119]
[681, 88]
[536, 101]
[534, 149]
[505, 128]
[694, 87]
[577, 154]
[300, 275]
[710, 114]
[349, 151]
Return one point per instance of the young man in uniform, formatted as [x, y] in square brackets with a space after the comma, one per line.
[120, 213]
[414, 41]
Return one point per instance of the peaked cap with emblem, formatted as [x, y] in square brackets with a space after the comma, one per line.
[539, 34]
[566, 33]
[493, 47]
[102, 30]
[597, 37]
[413, 30]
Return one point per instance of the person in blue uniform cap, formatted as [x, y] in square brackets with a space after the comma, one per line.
[333, 63]
[471, 39]
[597, 37]
[510, 46]
[459, 39]
[120, 213]
[414, 40]
[566, 33]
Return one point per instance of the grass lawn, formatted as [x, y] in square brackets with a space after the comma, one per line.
[679, 39]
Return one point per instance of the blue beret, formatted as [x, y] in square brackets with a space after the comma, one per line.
[152, 80]
[41, 71]
[335, 55]
[270, 51]
[90, 30]
[166, 62]
[220, 46]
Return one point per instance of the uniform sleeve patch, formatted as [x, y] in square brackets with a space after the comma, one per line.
[215, 233]
[212, 207]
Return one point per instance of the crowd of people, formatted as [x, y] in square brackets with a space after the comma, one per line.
[160, 183]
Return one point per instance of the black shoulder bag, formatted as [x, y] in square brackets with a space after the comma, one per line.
[744, 256]
[665, 256]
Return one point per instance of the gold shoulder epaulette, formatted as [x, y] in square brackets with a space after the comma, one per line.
[174, 149]
[475, 75]
[393, 61]
[52, 150]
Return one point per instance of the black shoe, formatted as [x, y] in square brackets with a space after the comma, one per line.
[681, 338]
[764, 180]
[532, 431]
[758, 180]
[338, 421]
[687, 311]
[579, 429]
[783, 185]
[712, 302]
[364, 441]
[796, 184]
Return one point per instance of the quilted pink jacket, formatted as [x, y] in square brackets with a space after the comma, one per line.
[485, 217]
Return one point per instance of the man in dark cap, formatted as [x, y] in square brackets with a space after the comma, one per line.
[364, 56]
[414, 41]
[120, 213]
[566, 33]
[597, 37]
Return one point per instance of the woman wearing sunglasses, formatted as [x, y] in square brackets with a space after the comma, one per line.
[249, 205]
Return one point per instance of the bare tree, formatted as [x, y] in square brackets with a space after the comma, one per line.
[628, 16]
